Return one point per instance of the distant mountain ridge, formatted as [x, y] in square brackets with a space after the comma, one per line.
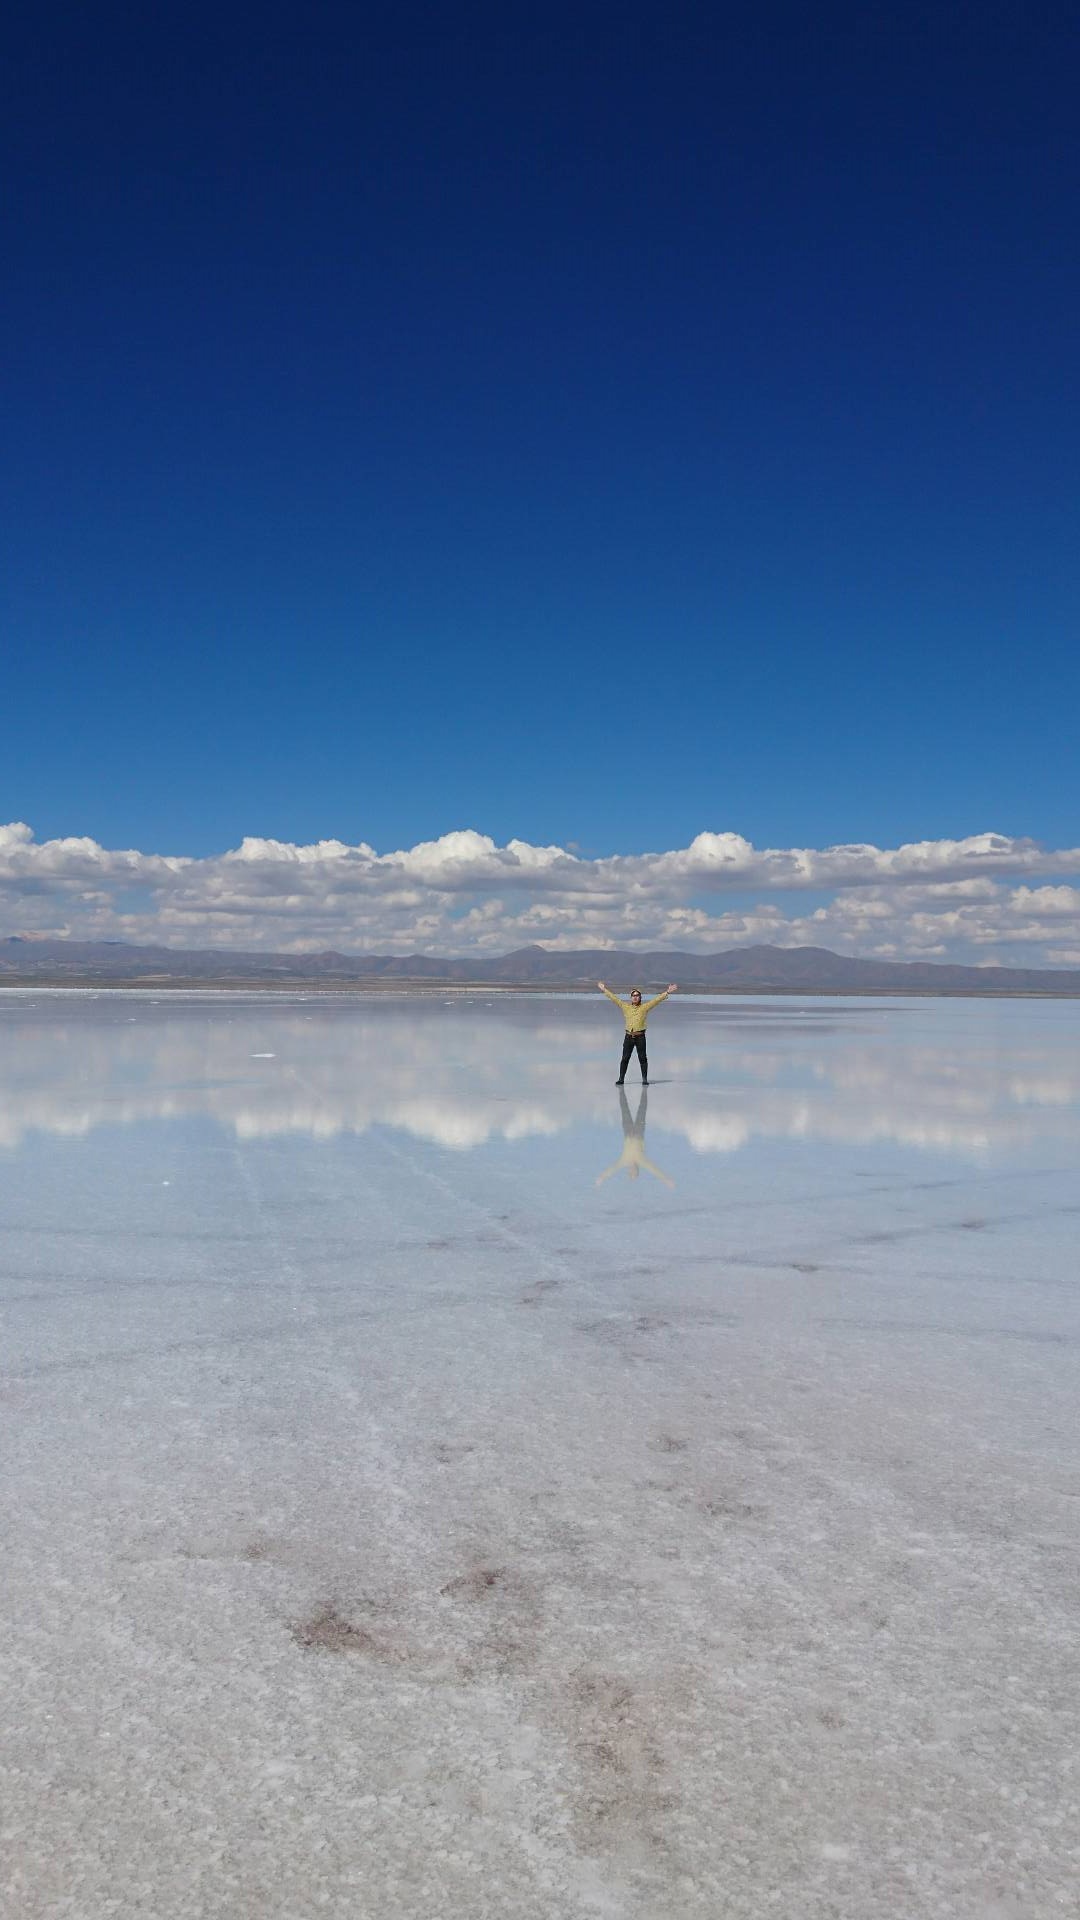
[760, 969]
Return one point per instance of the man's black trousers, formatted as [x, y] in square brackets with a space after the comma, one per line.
[631, 1041]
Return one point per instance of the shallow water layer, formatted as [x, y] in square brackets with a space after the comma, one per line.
[437, 1485]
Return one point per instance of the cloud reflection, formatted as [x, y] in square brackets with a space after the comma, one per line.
[464, 1072]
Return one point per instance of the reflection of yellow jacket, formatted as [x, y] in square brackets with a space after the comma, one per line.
[634, 1016]
[632, 1158]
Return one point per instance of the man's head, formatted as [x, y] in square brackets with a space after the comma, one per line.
[635, 996]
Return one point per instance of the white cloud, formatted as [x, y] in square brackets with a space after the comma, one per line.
[986, 897]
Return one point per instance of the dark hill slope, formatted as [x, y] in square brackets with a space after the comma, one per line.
[742, 969]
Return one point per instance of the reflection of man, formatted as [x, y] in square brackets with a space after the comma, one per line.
[632, 1158]
[635, 1012]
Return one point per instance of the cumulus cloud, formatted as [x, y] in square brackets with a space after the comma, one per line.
[988, 897]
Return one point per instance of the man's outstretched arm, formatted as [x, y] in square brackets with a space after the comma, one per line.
[648, 1005]
[610, 995]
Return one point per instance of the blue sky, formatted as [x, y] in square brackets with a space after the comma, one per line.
[590, 426]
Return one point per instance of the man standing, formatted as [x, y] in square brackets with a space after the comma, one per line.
[635, 1012]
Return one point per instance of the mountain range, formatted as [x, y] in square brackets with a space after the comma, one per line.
[30, 961]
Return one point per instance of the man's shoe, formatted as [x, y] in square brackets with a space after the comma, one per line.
[644, 1083]
[618, 1083]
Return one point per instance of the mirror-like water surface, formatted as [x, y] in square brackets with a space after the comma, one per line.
[438, 1480]
[980, 1079]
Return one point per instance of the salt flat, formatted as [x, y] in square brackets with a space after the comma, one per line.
[432, 1487]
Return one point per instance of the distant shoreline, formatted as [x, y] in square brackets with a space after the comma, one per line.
[358, 988]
